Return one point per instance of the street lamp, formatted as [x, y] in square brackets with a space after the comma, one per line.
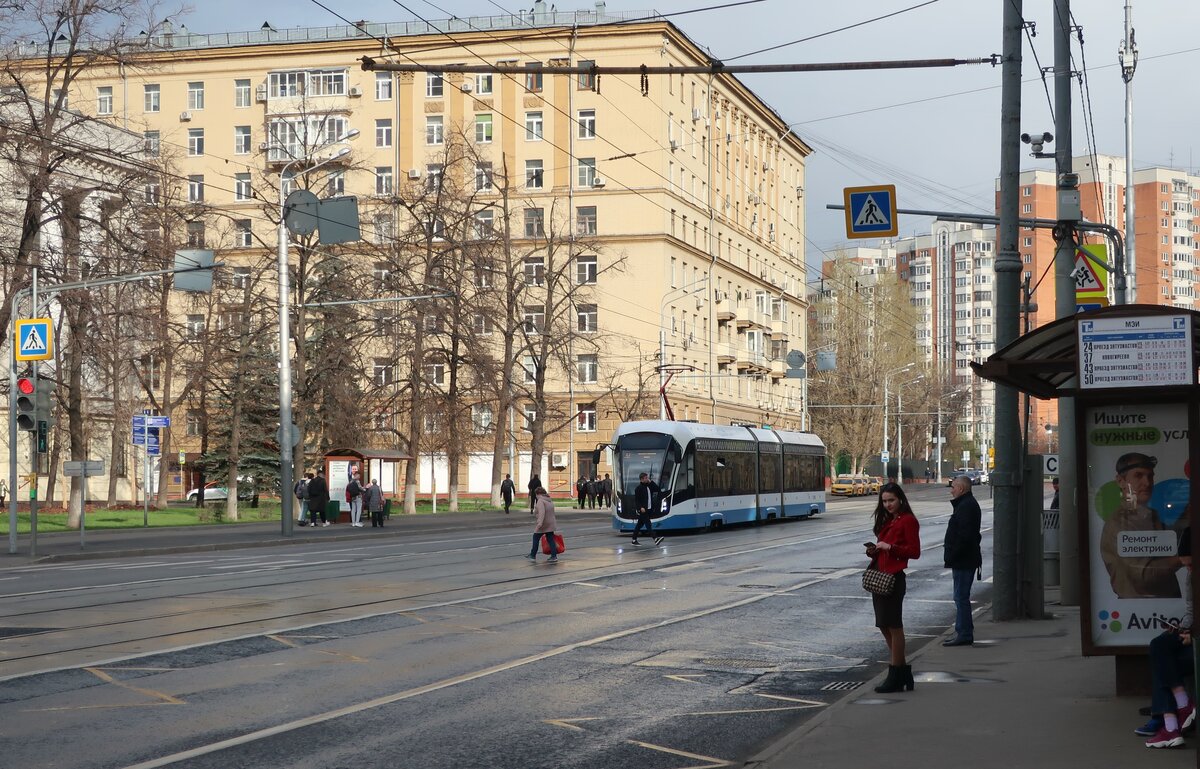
[900, 427]
[687, 290]
[285, 358]
[1050, 438]
[886, 376]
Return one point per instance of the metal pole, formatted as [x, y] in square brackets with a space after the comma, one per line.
[146, 479]
[1007, 477]
[1064, 304]
[83, 510]
[33, 457]
[1128, 57]
[900, 435]
[937, 453]
[285, 377]
[12, 424]
[885, 428]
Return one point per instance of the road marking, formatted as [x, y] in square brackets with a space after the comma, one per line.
[160, 698]
[809, 703]
[712, 763]
[686, 677]
[569, 723]
[503, 667]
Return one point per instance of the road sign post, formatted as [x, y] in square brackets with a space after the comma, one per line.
[83, 469]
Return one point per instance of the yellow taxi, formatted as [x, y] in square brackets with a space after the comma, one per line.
[848, 485]
[874, 482]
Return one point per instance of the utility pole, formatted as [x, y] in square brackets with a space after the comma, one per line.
[1069, 215]
[1006, 479]
[1128, 57]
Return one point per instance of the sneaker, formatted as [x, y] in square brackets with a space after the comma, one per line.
[325, 524]
[552, 559]
[658, 541]
[1187, 717]
[633, 542]
[1150, 728]
[529, 557]
[1164, 739]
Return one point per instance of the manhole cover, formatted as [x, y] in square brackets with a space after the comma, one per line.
[841, 686]
[740, 664]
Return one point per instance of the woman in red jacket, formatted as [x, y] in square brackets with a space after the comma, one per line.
[899, 540]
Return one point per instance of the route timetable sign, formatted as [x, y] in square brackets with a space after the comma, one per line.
[871, 211]
[1145, 351]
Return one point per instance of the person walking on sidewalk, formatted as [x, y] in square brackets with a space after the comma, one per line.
[3, 492]
[535, 483]
[606, 491]
[318, 499]
[373, 499]
[899, 540]
[963, 556]
[301, 491]
[1171, 711]
[645, 497]
[354, 491]
[581, 490]
[507, 491]
[544, 525]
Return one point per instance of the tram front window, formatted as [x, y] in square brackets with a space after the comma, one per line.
[643, 453]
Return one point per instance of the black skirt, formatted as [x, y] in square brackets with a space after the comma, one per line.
[889, 609]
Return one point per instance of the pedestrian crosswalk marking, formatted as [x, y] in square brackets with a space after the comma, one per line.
[871, 214]
[33, 341]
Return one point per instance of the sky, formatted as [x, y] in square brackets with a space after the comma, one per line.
[934, 133]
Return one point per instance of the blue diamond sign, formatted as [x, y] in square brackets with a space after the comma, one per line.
[870, 211]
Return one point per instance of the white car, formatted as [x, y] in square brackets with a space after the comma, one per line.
[215, 491]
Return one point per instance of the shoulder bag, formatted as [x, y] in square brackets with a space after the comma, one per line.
[878, 582]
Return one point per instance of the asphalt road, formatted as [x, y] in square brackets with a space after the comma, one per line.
[453, 651]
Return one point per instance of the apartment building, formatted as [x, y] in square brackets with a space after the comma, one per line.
[693, 184]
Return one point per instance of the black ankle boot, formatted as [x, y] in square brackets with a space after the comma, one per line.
[894, 681]
[907, 680]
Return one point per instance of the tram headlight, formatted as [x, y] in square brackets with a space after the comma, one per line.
[618, 501]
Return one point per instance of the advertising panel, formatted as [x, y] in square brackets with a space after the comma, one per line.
[1136, 505]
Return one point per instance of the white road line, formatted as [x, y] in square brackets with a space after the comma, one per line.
[325, 718]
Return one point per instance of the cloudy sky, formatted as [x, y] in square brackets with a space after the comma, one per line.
[934, 133]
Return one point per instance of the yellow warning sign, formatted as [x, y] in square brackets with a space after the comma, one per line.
[1091, 277]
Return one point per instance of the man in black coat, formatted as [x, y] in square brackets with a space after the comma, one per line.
[963, 556]
[507, 491]
[318, 499]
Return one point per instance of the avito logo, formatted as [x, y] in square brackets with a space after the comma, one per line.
[1110, 621]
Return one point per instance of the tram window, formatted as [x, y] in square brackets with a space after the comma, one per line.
[768, 473]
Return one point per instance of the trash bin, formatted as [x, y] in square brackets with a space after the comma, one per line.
[333, 509]
[1050, 572]
[387, 509]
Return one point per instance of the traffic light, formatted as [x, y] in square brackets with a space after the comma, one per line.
[27, 416]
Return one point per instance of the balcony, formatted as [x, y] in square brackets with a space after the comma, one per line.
[726, 309]
[779, 329]
[778, 369]
[752, 360]
[726, 352]
[752, 316]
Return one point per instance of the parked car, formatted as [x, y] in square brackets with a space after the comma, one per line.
[848, 485]
[215, 491]
[975, 475]
[874, 483]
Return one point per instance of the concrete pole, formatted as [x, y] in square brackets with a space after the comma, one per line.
[1064, 304]
[1006, 480]
[285, 372]
[1128, 57]
[885, 428]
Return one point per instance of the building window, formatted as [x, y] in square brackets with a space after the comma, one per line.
[241, 140]
[434, 85]
[195, 142]
[483, 176]
[535, 271]
[381, 372]
[529, 412]
[535, 222]
[151, 98]
[195, 326]
[533, 126]
[585, 269]
[482, 324]
[335, 183]
[1027, 208]
[383, 86]
[436, 228]
[151, 142]
[586, 81]
[585, 422]
[435, 373]
[533, 174]
[243, 236]
[383, 133]
[383, 228]
[152, 193]
[587, 124]
[586, 369]
[588, 318]
[483, 128]
[533, 80]
[239, 279]
[326, 83]
[195, 95]
[196, 188]
[195, 234]
[528, 369]
[434, 173]
[434, 131]
[535, 319]
[241, 187]
[585, 220]
[481, 418]
[1027, 242]
[585, 175]
[104, 100]
[383, 180]
[241, 93]
[484, 223]
[483, 84]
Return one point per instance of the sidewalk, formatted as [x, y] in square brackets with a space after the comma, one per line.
[130, 542]
[1029, 699]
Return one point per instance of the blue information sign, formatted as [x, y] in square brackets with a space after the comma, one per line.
[871, 211]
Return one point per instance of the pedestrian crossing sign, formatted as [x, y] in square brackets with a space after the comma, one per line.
[870, 211]
[34, 339]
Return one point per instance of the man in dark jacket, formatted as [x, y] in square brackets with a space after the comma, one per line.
[581, 490]
[318, 499]
[606, 489]
[963, 556]
[645, 497]
[507, 491]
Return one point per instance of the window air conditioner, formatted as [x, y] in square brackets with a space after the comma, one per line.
[558, 460]
[468, 86]
[695, 114]
[355, 91]
[414, 173]
[674, 145]
[260, 94]
[598, 182]
[264, 146]
[185, 116]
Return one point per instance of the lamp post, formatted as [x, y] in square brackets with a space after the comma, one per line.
[887, 376]
[900, 427]
[285, 358]
[687, 290]
[1050, 438]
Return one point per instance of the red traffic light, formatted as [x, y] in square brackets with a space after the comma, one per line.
[25, 386]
